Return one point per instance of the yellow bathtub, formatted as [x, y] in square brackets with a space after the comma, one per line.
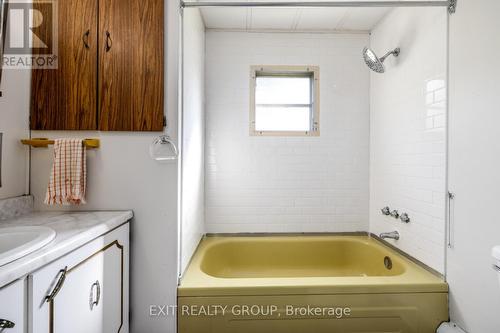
[292, 284]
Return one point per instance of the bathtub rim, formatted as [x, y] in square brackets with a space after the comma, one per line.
[186, 287]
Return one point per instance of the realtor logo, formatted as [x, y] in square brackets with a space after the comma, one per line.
[31, 35]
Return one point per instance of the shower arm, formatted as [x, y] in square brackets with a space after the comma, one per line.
[395, 52]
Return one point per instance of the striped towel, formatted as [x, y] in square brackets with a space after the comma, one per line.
[68, 178]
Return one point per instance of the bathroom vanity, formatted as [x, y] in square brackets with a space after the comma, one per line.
[78, 282]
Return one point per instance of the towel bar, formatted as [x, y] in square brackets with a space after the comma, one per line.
[44, 142]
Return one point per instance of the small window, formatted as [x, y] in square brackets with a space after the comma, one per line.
[284, 100]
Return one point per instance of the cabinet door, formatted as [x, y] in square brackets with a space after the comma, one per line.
[65, 98]
[93, 296]
[12, 308]
[131, 65]
[90, 300]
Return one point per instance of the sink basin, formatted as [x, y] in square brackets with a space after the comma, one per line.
[16, 242]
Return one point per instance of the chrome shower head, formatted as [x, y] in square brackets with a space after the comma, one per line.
[375, 63]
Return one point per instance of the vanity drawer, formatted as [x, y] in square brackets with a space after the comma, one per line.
[13, 307]
[84, 291]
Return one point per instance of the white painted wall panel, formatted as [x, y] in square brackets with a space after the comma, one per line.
[193, 135]
[474, 164]
[14, 124]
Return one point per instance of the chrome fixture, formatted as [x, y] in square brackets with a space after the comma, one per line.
[61, 277]
[450, 219]
[386, 211]
[392, 235]
[395, 214]
[405, 218]
[452, 7]
[375, 63]
[163, 148]
[94, 301]
[4, 323]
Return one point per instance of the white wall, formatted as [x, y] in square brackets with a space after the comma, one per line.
[474, 164]
[14, 124]
[193, 135]
[121, 175]
[408, 134]
[287, 184]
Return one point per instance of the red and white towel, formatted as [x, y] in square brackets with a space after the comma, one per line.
[68, 178]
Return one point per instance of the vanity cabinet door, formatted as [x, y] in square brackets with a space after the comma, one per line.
[85, 291]
[12, 308]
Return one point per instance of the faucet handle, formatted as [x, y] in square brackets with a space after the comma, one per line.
[405, 218]
[386, 210]
[395, 214]
[391, 235]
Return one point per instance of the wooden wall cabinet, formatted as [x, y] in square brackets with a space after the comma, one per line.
[110, 73]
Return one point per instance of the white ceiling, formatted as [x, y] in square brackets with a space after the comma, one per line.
[294, 19]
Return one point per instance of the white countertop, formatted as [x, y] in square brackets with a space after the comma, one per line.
[73, 229]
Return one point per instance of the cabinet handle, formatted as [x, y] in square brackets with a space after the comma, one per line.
[4, 323]
[85, 39]
[450, 219]
[98, 295]
[109, 41]
[62, 276]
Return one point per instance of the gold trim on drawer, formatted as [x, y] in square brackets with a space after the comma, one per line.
[120, 247]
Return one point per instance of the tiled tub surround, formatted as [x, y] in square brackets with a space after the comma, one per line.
[73, 230]
[408, 132]
[15, 207]
[286, 184]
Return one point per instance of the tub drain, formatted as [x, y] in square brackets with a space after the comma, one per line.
[388, 263]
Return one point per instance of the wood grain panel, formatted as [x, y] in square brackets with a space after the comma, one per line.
[131, 77]
[66, 98]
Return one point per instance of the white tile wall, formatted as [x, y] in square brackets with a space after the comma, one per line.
[408, 119]
[287, 184]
